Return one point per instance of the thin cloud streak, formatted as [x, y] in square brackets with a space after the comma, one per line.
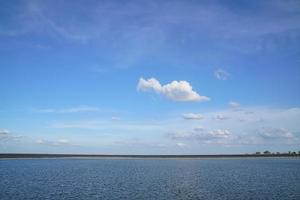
[192, 116]
[55, 143]
[79, 109]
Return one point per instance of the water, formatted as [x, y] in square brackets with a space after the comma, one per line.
[262, 178]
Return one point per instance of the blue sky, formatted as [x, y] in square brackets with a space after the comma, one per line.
[149, 77]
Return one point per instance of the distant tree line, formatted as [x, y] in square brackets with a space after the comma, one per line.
[267, 152]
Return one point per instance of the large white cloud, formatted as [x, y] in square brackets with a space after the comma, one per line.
[176, 90]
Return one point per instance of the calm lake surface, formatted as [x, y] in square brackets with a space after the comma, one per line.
[255, 178]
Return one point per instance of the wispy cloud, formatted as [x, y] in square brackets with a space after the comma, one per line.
[59, 142]
[235, 105]
[221, 74]
[71, 110]
[268, 135]
[86, 124]
[139, 143]
[176, 90]
[275, 133]
[7, 135]
[181, 144]
[220, 117]
[4, 132]
[192, 116]
[112, 24]
[261, 136]
[114, 118]
[108, 125]
[202, 135]
[81, 109]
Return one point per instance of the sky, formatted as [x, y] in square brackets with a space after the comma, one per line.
[149, 77]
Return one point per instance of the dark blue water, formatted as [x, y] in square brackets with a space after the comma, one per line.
[269, 178]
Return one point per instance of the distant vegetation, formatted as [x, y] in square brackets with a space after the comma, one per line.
[267, 152]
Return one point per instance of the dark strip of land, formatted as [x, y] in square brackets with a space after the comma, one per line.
[29, 155]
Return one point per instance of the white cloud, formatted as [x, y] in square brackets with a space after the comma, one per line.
[151, 83]
[192, 116]
[221, 74]
[176, 90]
[202, 133]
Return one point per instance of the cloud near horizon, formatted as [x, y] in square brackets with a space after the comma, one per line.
[275, 133]
[202, 135]
[176, 90]
[59, 142]
[7, 135]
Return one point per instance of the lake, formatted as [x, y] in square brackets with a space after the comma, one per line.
[245, 178]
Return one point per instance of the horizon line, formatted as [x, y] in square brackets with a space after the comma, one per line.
[69, 155]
